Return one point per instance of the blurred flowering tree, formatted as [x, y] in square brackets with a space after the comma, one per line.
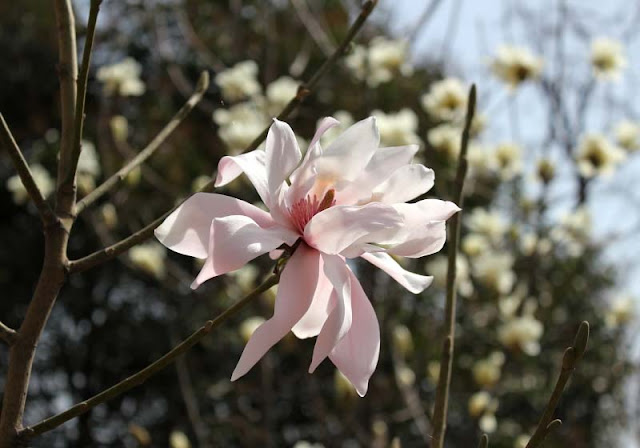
[525, 277]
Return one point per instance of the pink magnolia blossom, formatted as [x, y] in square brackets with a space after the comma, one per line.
[345, 201]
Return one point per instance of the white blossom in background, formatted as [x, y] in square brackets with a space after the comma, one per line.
[478, 403]
[356, 62]
[596, 155]
[482, 162]
[478, 124]
[109, 215]
[437, 267]
[88, 167]
[515, 65]
[40, 176]
[508, 157]
[489, 223]
[627, 135]
[433, 371]
[607, 58]
[403, 340]
[522, 333]
[305, 444]
[397, 129]
[545, 170]
[279, 93]
[248, 326]
[239, 82]
[445, 138]
[240, 124]
[521, 441]
[346, 120]
[122, 78]
[387, 58]
[119, 128]
[494, 270]
[620, 312]
[178, 439]
[573, 231]
[149, 258]
[405, 376]
[486, 372]
[488, 423]
[530, 244]
[475, 244]
[446, 100]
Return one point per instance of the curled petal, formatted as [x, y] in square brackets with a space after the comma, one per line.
[415, 283]
[356, 355]
[405, 184]
[321, 306]
[253, 164]
[326, 124]
[187, 229]
[297, 285]
[339, 320]
[234, 241]
[333, 230]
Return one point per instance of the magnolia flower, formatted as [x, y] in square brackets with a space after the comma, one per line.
[345, 201]
[488, 423]
[280, 92]
[150, 258]
[345, 120]
[596, 155]
[239, 81]
[122, 78]
[397, 128]
[545, 170]
[486, 372]
[446, 99]
[522, 333]
[438, 268]
[445, 138]
[493, 269]
[607, 58]
[387, 58]
[478, 403]
[627, 133]
[240, 124]
[489, 223]
[507, 157]
[515, 65]
[620, 312]
[178, 439]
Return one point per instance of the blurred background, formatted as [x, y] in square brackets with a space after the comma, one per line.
[549, 228]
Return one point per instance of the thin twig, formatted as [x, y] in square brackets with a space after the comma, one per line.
[153, 368]
[7, 334]
[444, 379]
[46, 214]
[572, 356]
[152, 147]
[314, 27]
[122, 246]
[82, 93]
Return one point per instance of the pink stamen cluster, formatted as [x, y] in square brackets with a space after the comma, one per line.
[302, 211]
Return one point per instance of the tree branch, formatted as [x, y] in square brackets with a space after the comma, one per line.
[69, 174]
[153, 368]
[570, 359]
[151, 148]
[446, 363]
[7, 334]
[46, 214]
[110, 252]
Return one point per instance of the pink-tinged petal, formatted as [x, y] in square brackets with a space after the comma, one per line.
[356, 355]
[427, 240]
[414, 283]
[187, 229]
[253, 164]
[339, 320]
[282, 155]
[406, 183]
[333, 230]
[234, 241]
[345, 158]
[382, 165]
[321, 306]
[297, 286]
[326, 124]
[434, 209]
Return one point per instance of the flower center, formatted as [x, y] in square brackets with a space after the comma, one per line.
[302, 211]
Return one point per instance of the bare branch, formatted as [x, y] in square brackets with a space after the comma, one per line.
[69, 174]
[152, 147]
[7, 334]
[444, 380]
[313, 26]
[153, 368]
[110, 252]
[572, 356]
[46, 214]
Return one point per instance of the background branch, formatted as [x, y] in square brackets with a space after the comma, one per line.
[446, 363]
[46, 214]
[151, 148]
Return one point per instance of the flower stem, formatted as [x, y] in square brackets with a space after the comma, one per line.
[153, 368]
[446, 362]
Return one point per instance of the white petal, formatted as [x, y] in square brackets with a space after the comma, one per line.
[333, 230]
[253, 164]
[282, 154]
[415, 283]
[297, 286]
[234, 241]
[187, 229]
[339, 320]
[321, 306]
[406, 183]
[356, 355]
